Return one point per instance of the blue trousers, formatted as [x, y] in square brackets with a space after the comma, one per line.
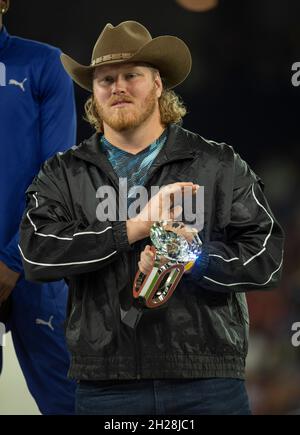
[163, 397]
[36, 325]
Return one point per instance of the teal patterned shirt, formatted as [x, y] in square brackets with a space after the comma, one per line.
[134, 168]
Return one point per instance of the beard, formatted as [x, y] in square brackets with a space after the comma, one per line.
[130, 117]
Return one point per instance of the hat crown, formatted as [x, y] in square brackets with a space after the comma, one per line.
[130, 41]
[127, 37]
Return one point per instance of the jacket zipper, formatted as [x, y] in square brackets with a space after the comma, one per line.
[134, 262]
[137, 356]
[137, 253]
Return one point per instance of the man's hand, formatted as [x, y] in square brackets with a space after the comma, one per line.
[160, 207]
[8, 281]
[147, 260]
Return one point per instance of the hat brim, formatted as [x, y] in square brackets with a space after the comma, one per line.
[170, 55]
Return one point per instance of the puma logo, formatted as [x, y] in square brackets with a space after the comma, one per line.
[43, 322]
[16, 83]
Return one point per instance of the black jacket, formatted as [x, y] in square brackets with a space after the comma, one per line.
[204, 330]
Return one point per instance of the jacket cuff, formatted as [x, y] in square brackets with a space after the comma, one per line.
[200, 267]
[120, 236]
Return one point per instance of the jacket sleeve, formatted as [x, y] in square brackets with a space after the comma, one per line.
[57, 127]
[250, 254]
[57, 108]
[55, 246]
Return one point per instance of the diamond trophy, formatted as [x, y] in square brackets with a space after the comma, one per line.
[176, 247]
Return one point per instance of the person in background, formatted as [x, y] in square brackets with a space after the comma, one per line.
[37, 120]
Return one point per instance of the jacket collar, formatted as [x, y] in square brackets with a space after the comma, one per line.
[177, 147]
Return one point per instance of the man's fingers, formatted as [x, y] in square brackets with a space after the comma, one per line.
[182, 183]
[177, 187]
[147, 254]
[159, 205]
[147, 261]
[176, 212]
[175, 192]
[4, 294]
[145, 270]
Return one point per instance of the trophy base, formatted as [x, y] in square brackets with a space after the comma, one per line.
[131, 317]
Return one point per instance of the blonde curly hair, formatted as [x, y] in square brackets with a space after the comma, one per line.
[172, 108]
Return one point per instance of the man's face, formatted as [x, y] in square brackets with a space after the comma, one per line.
[126, 95]
[4, 6]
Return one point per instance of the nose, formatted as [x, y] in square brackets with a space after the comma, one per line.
[119, 86]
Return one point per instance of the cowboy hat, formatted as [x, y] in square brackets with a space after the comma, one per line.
[131, 42]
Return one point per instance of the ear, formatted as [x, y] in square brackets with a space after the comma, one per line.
[158, 84]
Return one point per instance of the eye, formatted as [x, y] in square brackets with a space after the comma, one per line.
[106, 80]
[131, 75]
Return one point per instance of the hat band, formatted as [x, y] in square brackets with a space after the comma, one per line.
[114, 56]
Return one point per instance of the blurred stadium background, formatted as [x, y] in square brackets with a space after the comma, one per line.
[240, 91]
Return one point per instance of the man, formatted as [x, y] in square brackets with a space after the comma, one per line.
[190, 357]
[37, 119]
